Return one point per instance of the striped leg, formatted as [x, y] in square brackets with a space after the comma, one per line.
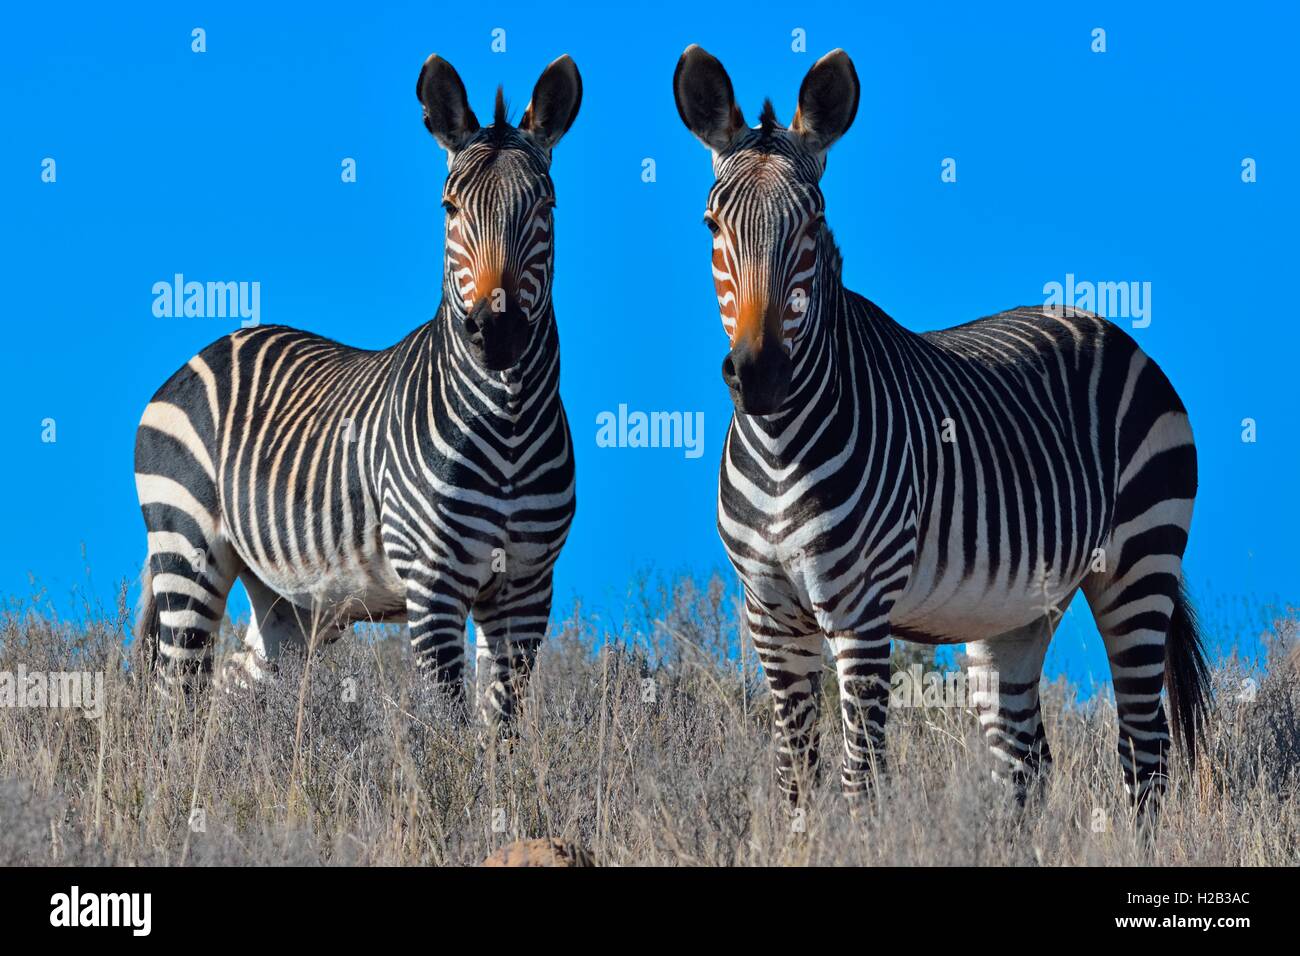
[1133, 608]
[437, 612]
[862, 666]
[792, 664]
[191, 564]
[1002, 677]
[190, 579]
[510, 627]
[275, 625]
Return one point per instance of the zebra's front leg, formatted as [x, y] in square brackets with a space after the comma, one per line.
[792, 665]
[509, 630]
[436, 611]
[862, 666]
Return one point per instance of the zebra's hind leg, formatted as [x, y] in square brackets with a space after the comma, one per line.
[1133, 604]
[190, 577]
[275, 624]
[1002, 680]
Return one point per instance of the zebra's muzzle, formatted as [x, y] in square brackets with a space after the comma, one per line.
[759, 378]
[495, 339]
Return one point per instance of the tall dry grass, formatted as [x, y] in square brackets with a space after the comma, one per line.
[300, 774]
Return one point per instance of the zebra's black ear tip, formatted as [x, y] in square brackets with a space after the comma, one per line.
[569, 66]
[843, 62]
[431, 65]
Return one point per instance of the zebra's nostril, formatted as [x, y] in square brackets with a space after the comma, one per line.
[729, 371]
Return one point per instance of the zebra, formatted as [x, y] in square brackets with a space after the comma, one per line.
[956, 486]
[423, 483]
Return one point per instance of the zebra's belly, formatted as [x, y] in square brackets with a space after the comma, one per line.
[971, 610]
[967, 612]
[354, 591]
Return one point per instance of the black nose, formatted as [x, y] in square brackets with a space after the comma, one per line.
[496, 338]
[729, 374]
[759, 377]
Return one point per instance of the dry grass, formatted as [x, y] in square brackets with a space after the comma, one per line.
[299, 775]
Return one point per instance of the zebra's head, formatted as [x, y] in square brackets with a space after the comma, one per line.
[765, 212]
[498, 199]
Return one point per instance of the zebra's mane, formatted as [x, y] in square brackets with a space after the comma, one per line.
[831, 249]
[767, 121]
[500, 128]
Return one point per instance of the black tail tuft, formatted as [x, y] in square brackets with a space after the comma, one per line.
[146, 620]
[1187, 677]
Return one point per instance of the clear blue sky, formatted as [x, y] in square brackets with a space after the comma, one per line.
[1120, 166]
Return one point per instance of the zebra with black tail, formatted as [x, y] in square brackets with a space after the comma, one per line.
[423, 482]
[952, 487]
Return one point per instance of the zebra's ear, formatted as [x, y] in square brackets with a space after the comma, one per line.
[705, 99]
[555, 102]
[828, 101]
[446, 109]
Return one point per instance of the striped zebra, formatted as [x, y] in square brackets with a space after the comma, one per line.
[953, 487]
[423, 482]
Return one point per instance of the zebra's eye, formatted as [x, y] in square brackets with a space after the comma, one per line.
[450, 206]
[711, 224]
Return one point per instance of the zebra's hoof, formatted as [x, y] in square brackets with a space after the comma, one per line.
[544, 851]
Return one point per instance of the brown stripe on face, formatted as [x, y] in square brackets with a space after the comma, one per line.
[754, 320]
[486, 282]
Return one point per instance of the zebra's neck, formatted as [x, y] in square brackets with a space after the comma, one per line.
[522, 392]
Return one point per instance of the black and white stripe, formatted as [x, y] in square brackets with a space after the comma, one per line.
[423, 482]
[957, 486]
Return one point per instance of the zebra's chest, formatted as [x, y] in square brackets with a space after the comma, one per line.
[809, 549]
[483, 509]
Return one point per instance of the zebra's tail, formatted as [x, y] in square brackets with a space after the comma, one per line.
[1187, 677]
[146, 620]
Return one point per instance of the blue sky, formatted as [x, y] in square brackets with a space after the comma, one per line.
[1122, 166]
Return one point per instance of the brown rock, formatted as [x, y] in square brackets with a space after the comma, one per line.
[545, 851]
